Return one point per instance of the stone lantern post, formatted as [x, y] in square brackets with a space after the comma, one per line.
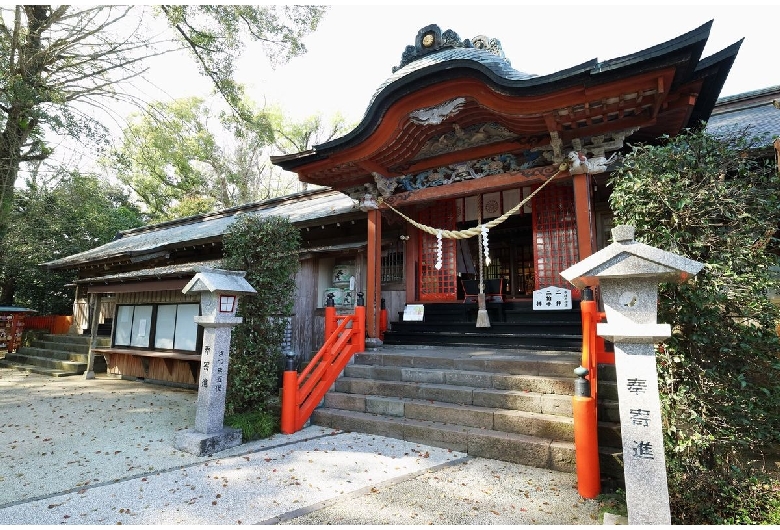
[628, 274]
[219, 293]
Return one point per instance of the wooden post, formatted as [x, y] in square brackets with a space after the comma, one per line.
[583, 209]
[373, 276]
[94, 304]
[410, 265]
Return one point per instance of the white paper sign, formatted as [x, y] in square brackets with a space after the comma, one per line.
[414, 313]
[552, 299]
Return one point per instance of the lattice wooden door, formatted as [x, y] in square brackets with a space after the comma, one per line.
[555, 234]
[438, 285]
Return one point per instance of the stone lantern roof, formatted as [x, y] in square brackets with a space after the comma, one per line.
[218, 280]
[628, 258]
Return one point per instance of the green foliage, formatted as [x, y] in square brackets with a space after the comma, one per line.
[172, 159]
[77, 213]
[254, 425]
[217, 34]
[267, 249]
[297, 136]
[53, 58]
[612, 502]
[713, 200]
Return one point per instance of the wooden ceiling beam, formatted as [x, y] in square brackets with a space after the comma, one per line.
[515, 179]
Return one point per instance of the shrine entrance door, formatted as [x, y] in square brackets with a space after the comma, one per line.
[437, 285]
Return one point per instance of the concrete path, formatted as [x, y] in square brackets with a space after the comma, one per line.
[101, 452]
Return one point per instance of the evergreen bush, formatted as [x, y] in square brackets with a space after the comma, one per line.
[714, 199]
[267, 249]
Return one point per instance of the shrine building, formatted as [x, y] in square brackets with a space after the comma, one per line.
[456, 138]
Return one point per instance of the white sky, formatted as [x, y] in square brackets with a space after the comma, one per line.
[355, 48]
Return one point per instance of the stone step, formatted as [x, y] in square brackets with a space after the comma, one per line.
[460, 395]
[54, 354]
[74, 347]
[536, 451]
[493, 340]
[523, 422]
[509, 447]
[75, 339]
[556, 365]
[51, 372]
[535, 424]
[527, 383]
[75, 367]
[607, 390]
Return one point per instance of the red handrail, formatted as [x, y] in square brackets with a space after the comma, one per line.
[584, 402]
[301, 393]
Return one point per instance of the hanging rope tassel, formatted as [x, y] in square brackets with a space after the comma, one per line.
[481, 232]
[483, 321]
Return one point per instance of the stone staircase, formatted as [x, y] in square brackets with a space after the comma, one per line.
[507, 405]
[513, 324]
[56, 355]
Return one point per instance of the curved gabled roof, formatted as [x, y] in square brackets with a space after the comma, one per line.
[658, 90]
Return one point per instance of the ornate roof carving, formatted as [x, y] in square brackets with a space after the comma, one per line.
[431, 39]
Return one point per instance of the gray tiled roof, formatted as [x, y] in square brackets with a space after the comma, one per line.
[498, 65]
[157, 272]
[297, 208]
[754, 108]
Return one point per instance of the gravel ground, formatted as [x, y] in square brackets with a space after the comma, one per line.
[101, 452]
[474, 491]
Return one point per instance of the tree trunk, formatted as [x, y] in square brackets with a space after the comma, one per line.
[27, 60]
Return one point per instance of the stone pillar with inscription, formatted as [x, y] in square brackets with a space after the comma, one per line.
[219, 293]
[628, 274]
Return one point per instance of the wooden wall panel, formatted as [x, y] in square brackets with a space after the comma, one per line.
[156, 297]
[81, 315]
[303, 308]
[168, 370]
[395, 301]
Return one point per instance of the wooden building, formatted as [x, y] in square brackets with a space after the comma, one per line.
[455, 138]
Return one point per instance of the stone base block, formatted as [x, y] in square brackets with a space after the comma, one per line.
[201, 444]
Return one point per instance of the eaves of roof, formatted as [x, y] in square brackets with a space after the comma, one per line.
[683, 51]
[203, 229]
[157, 273]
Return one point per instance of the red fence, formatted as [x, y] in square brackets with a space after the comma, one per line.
[58, 325]
[345, 335]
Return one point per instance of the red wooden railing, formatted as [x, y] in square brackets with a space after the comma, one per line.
[57, 325]
[584, 402]
[345, 335]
